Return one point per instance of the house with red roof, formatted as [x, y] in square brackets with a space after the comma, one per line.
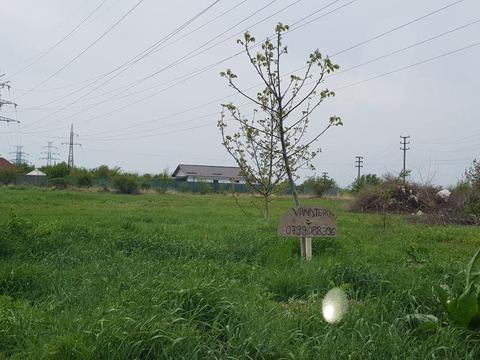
[6, 165]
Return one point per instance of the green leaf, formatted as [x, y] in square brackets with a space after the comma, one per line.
[465, 308]
[473, 269]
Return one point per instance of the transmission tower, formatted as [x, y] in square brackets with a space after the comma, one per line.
[50, 154]
[71, 144]
[358, 164]
[20, 155]
[6, 84]
[404, 148]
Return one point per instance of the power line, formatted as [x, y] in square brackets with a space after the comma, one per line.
[212, 65]
[118, 137]
[398, 27]
[84, 50]
[409, 66]
[335, 54]
[349, 69]
[128, 64]
[103, 75]
[176, 62]
[54, 46]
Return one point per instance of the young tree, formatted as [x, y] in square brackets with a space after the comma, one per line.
[287, 105]
[254, 146]
[320, 185]
[364, 181]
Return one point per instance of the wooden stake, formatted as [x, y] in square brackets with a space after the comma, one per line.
[302, 248]
[308, 248]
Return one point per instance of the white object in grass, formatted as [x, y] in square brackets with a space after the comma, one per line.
[334, 305]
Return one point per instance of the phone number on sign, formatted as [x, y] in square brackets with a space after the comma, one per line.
[310, 230]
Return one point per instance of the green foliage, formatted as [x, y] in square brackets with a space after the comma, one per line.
[363, 181]
[125, 184]
[106, 173]
[24, 168]
[462, 307]
[60, 170]
[85, 180]
[7, 177]
[321, 186]
[472, 203]
[80, 177]
[472, 174]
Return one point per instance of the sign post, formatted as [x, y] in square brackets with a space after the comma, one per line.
[307, 222]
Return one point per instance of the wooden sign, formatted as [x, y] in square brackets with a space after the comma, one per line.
[308, 222]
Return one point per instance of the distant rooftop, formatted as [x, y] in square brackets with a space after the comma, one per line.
[6, 165]
[208, 171]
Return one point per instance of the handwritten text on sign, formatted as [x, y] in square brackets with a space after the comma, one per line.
[307, 221]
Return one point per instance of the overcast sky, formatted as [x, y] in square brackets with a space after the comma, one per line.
[159, 111]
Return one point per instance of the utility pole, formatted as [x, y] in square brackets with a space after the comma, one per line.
[404, 148]
[50, 154]
[71, 144]
[358, 164]
[324, 175]
[6, 84]
[19, 155]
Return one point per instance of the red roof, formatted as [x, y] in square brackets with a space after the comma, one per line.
[6, 165]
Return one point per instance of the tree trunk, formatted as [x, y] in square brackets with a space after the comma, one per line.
[265, 209]
[287, 165]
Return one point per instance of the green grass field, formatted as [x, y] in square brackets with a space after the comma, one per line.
[107, 276]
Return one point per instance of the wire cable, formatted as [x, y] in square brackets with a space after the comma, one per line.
[84, 50]
[63, 39]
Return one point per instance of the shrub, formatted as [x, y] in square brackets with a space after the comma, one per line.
[146, 184]
[321, 186]
[106, 173]
[58, 183]
[125, 184]
[60, 170]
[7, 177]
[471, 206]
[364, 181]
[85, 180]
[393, 196]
